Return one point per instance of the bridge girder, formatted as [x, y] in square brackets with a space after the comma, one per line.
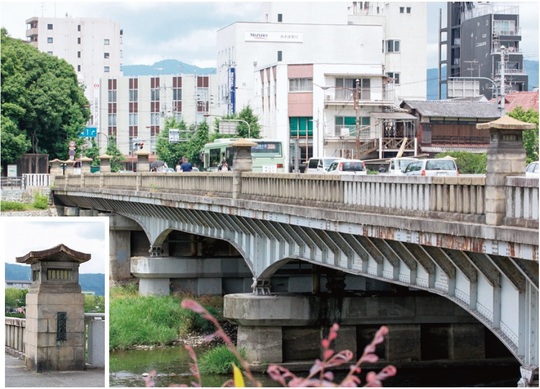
[447, 271]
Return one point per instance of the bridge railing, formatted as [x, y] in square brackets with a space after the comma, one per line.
[459, 198]
[95, 335]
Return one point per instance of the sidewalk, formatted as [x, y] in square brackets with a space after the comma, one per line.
[18, 376]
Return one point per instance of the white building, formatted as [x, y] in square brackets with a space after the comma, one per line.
[133, 110]
[328, 76]
[92, 46]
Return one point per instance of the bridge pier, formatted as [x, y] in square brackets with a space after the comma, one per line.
[197, 275]
[281, 328]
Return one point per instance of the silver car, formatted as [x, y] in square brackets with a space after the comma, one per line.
[432, 167]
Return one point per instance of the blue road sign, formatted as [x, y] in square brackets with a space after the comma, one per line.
[88, 132]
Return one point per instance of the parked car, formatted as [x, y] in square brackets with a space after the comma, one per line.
[347, 166]
[532, 170]
[396, 166]
[432, 167]
[320, 165]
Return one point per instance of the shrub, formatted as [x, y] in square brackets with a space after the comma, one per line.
[6, 206]
[219, 360]
[40, 201]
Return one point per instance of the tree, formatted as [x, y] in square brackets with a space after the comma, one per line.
[247, 115]
[242, 129]
[468, 163]
[117, 158]
[15, 297]
[43, 106]
[530, 137]
[169, 152]
[92, 152]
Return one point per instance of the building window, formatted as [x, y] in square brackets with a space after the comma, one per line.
[78, 68]
[345, 88]
[79, 41]
[408, 10]
[50, 39]
[177, 94]
[49, 52]
[392, 46]
[394, 76]
[154, 118]
[280, 56]
[78, 54]
[79, 27]
[301, 85]
[112, 96]
[112, 120]
[106, 55]
[133, 95]
[106, 69]
[49, 26]
[107, 42]
[133, 119]
[280, 18]
[401, 10]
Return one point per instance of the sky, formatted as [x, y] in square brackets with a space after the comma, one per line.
[89, 235]
[186, 31]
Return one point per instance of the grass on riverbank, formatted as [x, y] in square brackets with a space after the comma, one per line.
[40, 202]
[154, 320]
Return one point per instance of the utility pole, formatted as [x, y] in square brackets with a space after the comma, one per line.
[356, 98]
[503, 93]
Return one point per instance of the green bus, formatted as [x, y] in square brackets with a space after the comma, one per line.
[267, 155]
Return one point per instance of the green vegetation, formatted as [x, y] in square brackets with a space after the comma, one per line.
[219, 360]
[43, 106]
[15, 298]
[468, 163]
[7, 206]
[152, 320]
[94, 304]
[40, 201]
[530, 137]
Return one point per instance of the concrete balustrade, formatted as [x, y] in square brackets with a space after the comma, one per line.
[14, 331]
[454, 198]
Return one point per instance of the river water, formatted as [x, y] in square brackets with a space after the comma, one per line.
[172, 366]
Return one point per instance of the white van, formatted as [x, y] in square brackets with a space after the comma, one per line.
[432, 167]
[397, 165]
[320, 165]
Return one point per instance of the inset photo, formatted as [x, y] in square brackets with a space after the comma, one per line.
[56, 303]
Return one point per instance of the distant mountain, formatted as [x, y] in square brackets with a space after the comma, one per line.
[89, 282]
[165, 67]
[531, 68]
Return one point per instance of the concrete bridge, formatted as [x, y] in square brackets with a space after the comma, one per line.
[425, 234]
[470, 241]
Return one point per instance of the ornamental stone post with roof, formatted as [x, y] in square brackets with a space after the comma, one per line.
[55, 333]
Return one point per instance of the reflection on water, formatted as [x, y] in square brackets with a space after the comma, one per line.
[172, 366]
[170, 363]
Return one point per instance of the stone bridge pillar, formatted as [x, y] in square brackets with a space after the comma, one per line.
[55, 331]
[505, 157]
[242, 162]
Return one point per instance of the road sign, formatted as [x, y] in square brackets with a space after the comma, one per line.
[88, 132]
[71, 143]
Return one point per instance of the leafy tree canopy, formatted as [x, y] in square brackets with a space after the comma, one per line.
[530, 137]
[43, 106]
[117, 158]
